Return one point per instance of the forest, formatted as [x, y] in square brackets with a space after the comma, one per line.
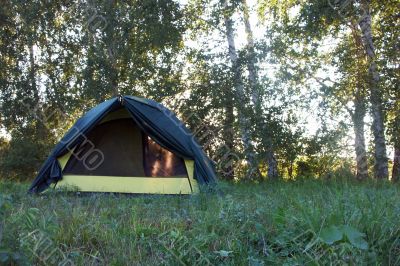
[296, 103]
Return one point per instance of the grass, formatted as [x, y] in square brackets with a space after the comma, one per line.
[306, 222]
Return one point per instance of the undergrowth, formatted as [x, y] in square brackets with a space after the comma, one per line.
[306, 222]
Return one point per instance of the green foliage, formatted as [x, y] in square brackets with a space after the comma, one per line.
[334, 234]
[297, 222]
[61, 58]
[309, 38]
[24, 154]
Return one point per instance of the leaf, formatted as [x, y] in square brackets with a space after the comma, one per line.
[174, 234]
[330, 235]
[355, 237]
[333, 234]
[223, 253]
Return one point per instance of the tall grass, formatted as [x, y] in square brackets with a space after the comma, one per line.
[282, 223]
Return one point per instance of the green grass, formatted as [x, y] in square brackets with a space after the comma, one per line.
[305, 222]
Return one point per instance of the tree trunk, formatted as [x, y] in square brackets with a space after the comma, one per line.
[2, 222]
[273, 172]
[378, 127]
[396, 144]
[114, 84]
[255, 87]
[360, 109]
[361, 153]
[244, 122]
[251, 58]
[290, 170]
[396, 163]
[36, 108]
[228, 171]
[32, 75]
[272, 166]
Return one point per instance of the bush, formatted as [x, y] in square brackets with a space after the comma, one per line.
[22, 156]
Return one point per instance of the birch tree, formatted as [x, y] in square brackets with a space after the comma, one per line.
[256, 97]
[378, 126]
[243, 111]
[387, 43]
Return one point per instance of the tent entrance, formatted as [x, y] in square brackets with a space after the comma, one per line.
[119, 148]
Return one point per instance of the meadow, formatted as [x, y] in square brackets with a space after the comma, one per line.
[303, 222]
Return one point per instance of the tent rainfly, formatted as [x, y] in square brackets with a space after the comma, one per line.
[128, 145]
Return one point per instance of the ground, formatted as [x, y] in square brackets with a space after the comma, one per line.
[304, 222]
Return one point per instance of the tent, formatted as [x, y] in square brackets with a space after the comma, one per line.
[129, 145]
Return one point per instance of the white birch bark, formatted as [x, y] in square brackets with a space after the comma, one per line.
[378, 127]
[361, 153]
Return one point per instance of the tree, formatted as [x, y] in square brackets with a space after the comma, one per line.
[208, 109]
[378, 127]
[387, 28]
[125, 58]
[255, 97]
[316, 20]
[351, 88]
[244, 111]
[266, 119]
[59, 58]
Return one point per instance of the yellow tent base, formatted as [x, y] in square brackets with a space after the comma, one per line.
[121, 184]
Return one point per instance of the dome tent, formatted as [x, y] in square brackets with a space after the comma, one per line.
[131, 145]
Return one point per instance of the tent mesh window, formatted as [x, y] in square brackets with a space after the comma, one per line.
[161, 162]
[125, 151]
